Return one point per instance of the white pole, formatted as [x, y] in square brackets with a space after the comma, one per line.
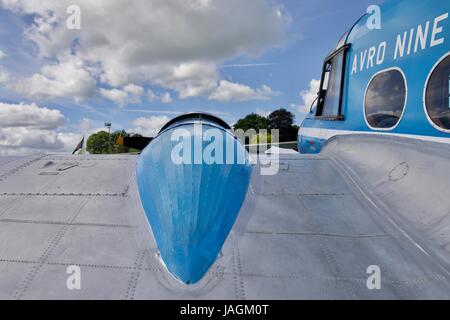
[83, 151]
[85, 129]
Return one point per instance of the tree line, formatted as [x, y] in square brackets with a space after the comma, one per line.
[105, 143]
[280, 119]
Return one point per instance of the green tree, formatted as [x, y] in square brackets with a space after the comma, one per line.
[283, 120]
[99, 143]
[104, 143]
[252, 121]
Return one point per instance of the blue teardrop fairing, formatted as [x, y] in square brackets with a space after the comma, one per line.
[191, 207]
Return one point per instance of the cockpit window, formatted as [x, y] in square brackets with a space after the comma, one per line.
[329, 105]
[385, 100]
[333, 87]
[437, 96]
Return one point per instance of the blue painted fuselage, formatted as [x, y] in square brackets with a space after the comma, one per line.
[414, 38]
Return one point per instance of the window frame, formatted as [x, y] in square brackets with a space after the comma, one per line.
[445, 56]
[405, 105]
[321, 94]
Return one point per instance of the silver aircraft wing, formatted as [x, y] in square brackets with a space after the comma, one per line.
[312, 231]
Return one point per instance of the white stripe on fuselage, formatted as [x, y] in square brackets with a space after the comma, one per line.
[329, 133]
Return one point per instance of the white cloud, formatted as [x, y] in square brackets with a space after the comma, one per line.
[31, 116]
[146, 32]
[189, 79]
[131, 93]
[118, 96]
[69, 78]
[30, 128]
[308, 96]
[175, 44]
[4, 77]
[69, 140]
[263, 113]
[166, 98]
[134, 89]
[151, 96]
[23, 140]
[24, 137]
[149, 126]
[229, 91]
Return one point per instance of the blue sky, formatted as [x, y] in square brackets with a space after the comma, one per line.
[230, 58]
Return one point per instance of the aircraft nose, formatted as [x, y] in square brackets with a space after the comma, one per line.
[189, 267]
[191, 207]
[191, 221]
